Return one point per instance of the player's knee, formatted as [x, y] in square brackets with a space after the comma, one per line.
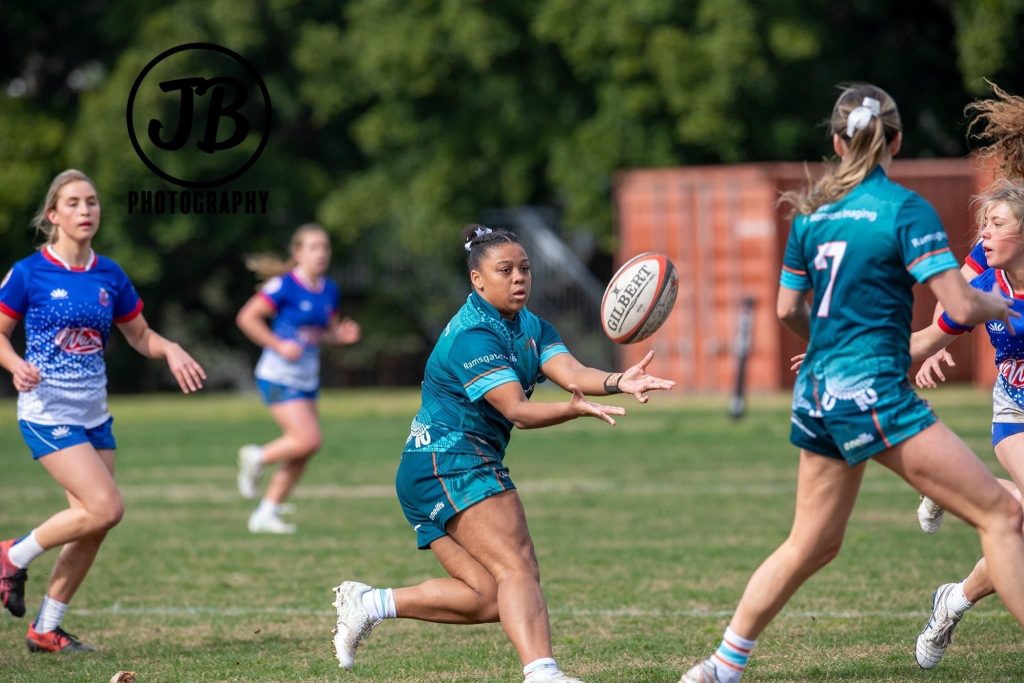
[1008, 511]
[487, 605]
[310, 443]
[107, 512]
[818, 553]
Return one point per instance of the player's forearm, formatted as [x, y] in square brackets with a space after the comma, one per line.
[9, 358]
[927, 342]
[257, 331]
[528, 415]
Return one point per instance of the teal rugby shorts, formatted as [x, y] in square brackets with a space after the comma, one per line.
[855, 436]
[433, 487]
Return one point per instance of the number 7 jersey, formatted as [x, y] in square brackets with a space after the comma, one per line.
[861, 255]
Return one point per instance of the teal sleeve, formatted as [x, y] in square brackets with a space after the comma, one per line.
[480, 362]
[923, 242]
[794, 266]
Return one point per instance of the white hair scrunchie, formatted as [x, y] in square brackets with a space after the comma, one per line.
[860, 117]
[478, 232]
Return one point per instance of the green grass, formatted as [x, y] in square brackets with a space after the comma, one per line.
[646, 535]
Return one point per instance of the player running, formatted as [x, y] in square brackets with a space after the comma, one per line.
[303, 303]
[860, 242]
[69, 299]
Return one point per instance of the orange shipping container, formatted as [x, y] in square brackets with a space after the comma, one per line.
[723, 231]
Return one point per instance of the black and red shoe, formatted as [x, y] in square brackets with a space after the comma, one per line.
[57, 640]
[12, 582]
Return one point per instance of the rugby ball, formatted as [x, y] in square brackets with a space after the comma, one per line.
[639, 298]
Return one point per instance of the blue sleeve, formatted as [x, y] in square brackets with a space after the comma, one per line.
[479, 360]
[977, 259]
[794, 268]
[273, 292]
[14, 292]
[922, 239]
[127, 304]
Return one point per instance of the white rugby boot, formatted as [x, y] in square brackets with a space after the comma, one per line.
[354, 623]
[929, 515]
[703, 672]
[250, 470]
[267, 523]
[560, 677]
[938, 632]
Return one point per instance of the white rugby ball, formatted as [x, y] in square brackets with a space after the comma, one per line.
[639, 298]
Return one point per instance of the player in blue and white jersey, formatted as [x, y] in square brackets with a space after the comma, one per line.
[301, 303]
[1002, 235]
[861, 242]
[69, 299]
[452, 481]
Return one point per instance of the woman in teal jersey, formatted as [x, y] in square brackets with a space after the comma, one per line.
[860, 242]
[452, 482]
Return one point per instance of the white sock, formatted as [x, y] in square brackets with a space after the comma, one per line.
[267, 507]
[732, 656]
[540, 669]
[957, 601]
[24, 551]
[379, 603]
[51, 613]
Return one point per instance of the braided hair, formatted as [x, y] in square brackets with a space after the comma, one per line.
[478, 240]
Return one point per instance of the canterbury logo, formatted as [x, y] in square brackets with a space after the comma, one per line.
[997, 326]
[79, 340]
[59, 294]
[60, 432]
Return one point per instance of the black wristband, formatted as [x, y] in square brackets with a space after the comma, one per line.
[610, 387]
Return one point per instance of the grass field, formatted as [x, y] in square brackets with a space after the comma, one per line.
[646, 535]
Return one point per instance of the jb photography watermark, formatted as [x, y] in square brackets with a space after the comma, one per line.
[199, 117]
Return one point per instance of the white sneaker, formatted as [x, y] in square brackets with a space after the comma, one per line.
[703, 672]
[354, 623]
[250, 470]
[938, 632]
[929, 515]
[560, 677]
[269, 524]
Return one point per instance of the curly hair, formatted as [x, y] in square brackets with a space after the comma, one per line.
[999, 121]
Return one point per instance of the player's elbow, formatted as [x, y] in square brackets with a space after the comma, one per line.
[787, 311]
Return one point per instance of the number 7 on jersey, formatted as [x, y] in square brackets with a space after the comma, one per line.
[834, 251]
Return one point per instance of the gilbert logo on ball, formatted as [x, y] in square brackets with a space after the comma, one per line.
[639, 298]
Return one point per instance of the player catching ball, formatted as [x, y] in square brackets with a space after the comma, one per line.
[452, 481]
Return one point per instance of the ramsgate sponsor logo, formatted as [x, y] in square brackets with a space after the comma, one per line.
[928, 239]
[198, 116]
[489, 358]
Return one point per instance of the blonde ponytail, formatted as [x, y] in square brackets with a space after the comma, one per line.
[267, 266]
[40, 221]
[868, 141]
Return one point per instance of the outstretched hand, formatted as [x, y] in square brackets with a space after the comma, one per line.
[637, 382]
[933, 364]
[584, 407]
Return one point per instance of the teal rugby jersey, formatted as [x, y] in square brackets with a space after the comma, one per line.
[477, 352]
[861, 255]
